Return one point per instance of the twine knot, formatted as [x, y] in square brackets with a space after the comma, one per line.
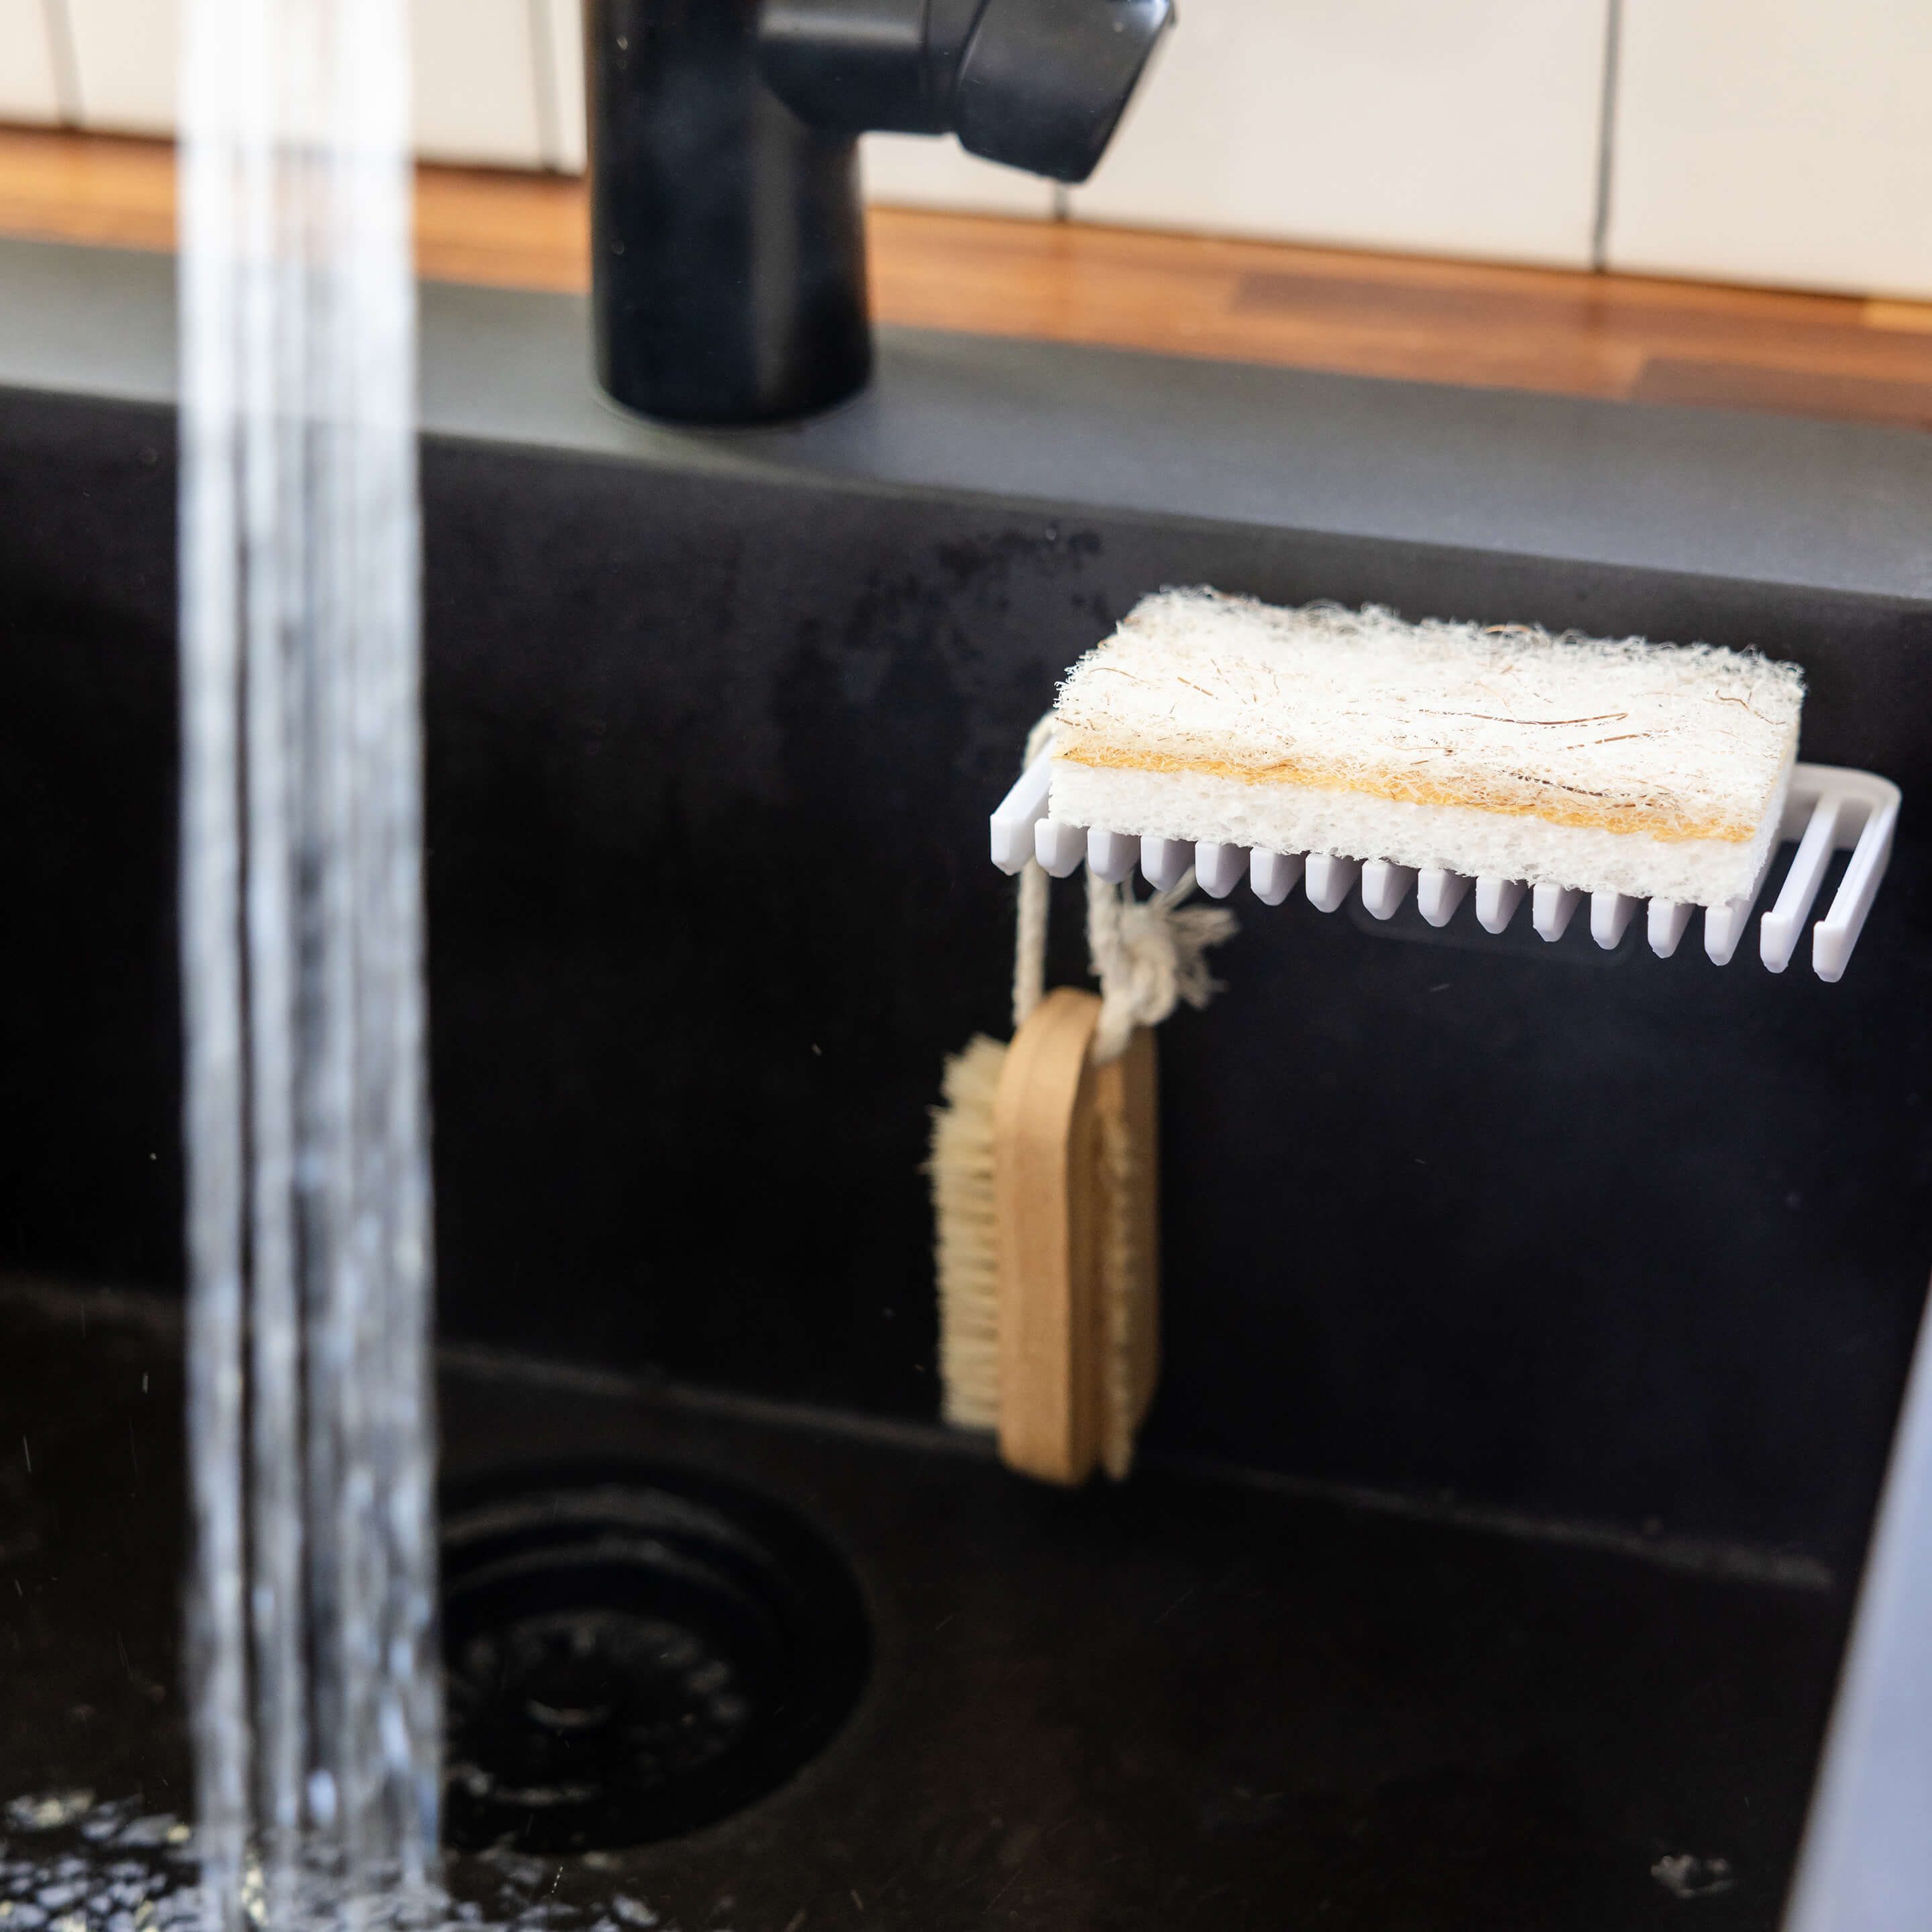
[1150, 955]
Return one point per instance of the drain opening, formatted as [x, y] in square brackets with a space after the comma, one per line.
[629, 1656]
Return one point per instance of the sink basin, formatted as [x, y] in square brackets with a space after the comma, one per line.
[1189, 1703]
[1536, 1318]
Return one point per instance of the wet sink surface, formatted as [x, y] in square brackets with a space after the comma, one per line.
[1181, 1704]
[1628, 1248]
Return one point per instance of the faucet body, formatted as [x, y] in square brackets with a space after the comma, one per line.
[728, 251]
[728, 257]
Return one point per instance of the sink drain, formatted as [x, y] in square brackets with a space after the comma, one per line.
[630, 1656]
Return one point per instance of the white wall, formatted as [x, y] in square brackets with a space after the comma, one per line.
[1778, 141]
[497, 82]
[559, 53]
[29, 87]
[919, 171]
[125, 52]
[1469, 128]
[1781, 141]
[475, 79]
[1372, 123]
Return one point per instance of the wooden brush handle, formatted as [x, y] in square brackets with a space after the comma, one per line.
[1126, 1104]
[1046, 1190]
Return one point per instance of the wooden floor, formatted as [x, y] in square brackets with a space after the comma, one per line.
[1617, 336]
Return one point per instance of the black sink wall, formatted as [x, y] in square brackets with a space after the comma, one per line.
[710, 759]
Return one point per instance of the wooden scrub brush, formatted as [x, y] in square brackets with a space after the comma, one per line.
[1044, 1167]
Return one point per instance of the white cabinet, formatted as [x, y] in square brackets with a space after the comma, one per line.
[1469, 128]
[560, 55]
[124, 53]
[496, 82]
[930, 171]
[29, 86]
[475, 83]
[1780, 141]
[1776, 141]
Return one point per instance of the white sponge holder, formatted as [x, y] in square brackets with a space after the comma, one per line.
[1829, 809]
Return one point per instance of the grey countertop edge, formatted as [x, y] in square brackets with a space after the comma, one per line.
[1844, 507]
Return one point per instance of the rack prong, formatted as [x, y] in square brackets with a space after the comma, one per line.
[1610, 915]
[1164, 861]
[1552, 908]
[1218, 868]
[1273, 875]
[1496, 902]
[1330, 879]
[1437, 894]
[1059, 847]
[1111, 855]
[1022, 809]
[1777, 934]
[1668, 922]
[1835, 935]
[1384, 887]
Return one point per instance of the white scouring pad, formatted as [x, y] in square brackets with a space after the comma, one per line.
[1657, 771]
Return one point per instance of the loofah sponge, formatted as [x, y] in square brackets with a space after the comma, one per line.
[1656, 770]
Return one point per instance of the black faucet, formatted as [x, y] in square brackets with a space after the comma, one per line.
[728, 246]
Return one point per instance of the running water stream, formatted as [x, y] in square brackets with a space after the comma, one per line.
[316, 1688]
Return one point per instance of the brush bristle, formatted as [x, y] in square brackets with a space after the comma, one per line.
[964, 1250]
[966, 1255]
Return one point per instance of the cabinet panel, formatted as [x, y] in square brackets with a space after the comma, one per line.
[125, 52]
[28, 90]
[1782, 141]
[924, 171]
[1467, 130]
[559, 30]
[475, 83]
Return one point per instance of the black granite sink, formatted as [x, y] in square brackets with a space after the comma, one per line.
[1536, 1320]
[1198, 1705]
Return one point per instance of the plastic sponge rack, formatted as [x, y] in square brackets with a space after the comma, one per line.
[1829, 809]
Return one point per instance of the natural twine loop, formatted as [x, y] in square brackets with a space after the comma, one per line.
[1148, 955]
